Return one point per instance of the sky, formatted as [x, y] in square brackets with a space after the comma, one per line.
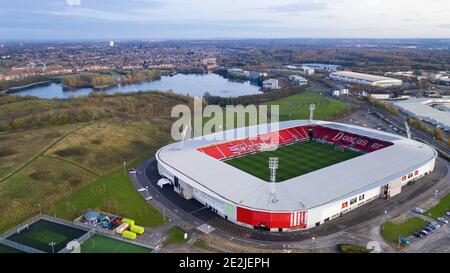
[224, 19]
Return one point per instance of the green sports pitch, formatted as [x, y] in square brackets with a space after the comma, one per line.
[102, 244]
[40, 234]
[294, 160]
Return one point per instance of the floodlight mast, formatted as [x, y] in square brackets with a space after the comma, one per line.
[312, 107]
[273, 166]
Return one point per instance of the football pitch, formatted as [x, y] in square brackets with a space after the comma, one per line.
[294, 160]
[102, 244]
[39, 235]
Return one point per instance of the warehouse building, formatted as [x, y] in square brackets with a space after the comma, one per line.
[366, 79]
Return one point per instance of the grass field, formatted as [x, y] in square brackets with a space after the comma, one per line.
[102, 244]
[40, 234]
[175, 236]
[441, 208]
[391, 231]
[297, 106]
[112, 193]
[294, 160]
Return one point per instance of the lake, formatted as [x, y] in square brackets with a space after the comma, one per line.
[189, 84]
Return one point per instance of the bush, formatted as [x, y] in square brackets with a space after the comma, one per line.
[6, 152]
[73, 151]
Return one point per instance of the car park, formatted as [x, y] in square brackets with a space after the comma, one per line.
[442, 220]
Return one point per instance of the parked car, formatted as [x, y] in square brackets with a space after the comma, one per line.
[424, 232]
[404, 241]
[428, 229]
[442, 220]
[132, 170]
[448, 213]
[436, 225]
[431, 226]
[418, 235]
[418, 210]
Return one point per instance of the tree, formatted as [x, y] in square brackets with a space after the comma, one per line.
[409, 120]
[438, 134]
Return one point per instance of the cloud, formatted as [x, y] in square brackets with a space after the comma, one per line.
[299, 6]
[73, 2]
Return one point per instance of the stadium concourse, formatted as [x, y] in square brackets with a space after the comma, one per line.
[332, 185]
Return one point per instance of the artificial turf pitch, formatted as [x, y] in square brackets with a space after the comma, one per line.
[39, 235]
[294, 160]
[102, 244]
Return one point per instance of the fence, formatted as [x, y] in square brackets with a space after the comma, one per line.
[18, 246]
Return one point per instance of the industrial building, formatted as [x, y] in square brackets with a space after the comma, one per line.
[271, 84]
[366, 79]
[387, 163]
[323, 67]
[433, 110]
[297, 80]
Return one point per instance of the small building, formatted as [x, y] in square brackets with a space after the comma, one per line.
[271, 84]
[238, 73]
[380, 96]
[256, 75]
[297, 80]
[306, 70]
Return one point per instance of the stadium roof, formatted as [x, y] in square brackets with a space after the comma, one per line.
[420, 107]
[362, 76]
[313, 189]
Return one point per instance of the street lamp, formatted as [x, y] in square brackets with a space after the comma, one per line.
[313, 241]
[40, 209]
[125, 168]
[52, 244]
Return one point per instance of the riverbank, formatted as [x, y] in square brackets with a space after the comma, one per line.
[16, 89]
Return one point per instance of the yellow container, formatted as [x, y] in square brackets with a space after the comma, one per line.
[129, 235]
[137, 229]
[130, 222]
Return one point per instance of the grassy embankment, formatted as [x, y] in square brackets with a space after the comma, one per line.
[67, 155]
[441, 208]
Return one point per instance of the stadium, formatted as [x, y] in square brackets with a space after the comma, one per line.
[319, 171]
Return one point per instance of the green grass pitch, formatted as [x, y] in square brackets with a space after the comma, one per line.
[102, 244]
[294, 160]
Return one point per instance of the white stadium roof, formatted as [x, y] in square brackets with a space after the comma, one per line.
[303, 192]
[419, 107]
